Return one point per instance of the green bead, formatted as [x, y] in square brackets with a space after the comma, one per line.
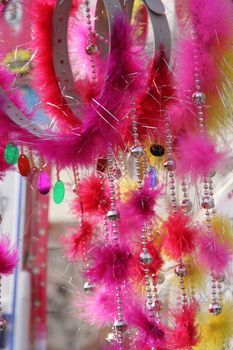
[11, 153]
[58, 192]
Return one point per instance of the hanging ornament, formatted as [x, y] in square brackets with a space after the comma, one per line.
[11, 153]
[43, 182]
[58, 192]
[24, 165]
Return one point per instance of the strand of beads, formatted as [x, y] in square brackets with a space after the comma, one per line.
[207, 201]
[91, 48]
[113, 215]
[169, 164]
[186, 204]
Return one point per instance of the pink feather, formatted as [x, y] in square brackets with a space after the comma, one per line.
[8, 256]
[75, 243]
[109, 264]
[149, 332]
[197, 156]
[3, 164]
[213, 253]
[94, 196]
[179, 235]
[185, 334]
[98, 308]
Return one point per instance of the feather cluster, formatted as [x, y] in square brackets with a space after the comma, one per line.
[179, 235]
[185, 334]
[94, 196]
[110, 264]
[197, 156]
[74, 243]
[8, 256]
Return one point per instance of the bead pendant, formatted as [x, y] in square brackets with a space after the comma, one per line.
[11, 153]
[58, 192]
[24, 165]
[43, 182]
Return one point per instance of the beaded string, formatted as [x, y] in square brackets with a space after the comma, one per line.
[207, 201]
[91, 48]
[113, 215]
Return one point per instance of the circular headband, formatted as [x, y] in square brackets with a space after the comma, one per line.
[61, 59]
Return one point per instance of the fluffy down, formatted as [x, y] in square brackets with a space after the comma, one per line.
[214, 253]
[185, 334]
[8, 256]
[98, 308]
[94, 196]
[109, 264]
[74, 243]
[197, 156]
[179, 235]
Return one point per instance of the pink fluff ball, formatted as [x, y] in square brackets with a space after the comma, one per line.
[8, 256]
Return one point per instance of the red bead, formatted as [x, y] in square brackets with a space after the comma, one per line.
[24, 165]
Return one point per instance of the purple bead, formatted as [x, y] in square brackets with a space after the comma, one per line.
[43, 182]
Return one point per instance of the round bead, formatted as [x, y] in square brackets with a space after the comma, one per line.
[215, 308]
[113, 214]
[207, 202]
[146, 258]
[58, 192]
[43, 182]
[111, 338]
[11, 153]
[170, 164]
[137, 151]
[181, 270]
[3, 325]
[88, 287]
[186, 205]
[120, 325]
[24, 165]
[199, 97]
[91, 49]
[157, 150]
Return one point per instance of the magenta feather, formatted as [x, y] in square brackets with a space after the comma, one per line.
[8, 256]
[109, 264]
[139, 208]
[197, 156]
[213, 253]
[150, 332]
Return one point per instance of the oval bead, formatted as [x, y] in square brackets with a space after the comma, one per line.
[11, 153]
[58, 192]
[43, 182]
[24, 165]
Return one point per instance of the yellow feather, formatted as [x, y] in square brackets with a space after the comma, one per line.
[222, 227]
[215, 330]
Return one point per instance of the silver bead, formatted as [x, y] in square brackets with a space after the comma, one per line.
[111, 338]
[186, 205]
[207, 202]
[113, 214]
[181, 270]
[88, 287]
[170, 165]
[120, 325]
[199, 97]
[3, 325]
[91, 49]
[215, 308]
[146, 258]
[137, 151]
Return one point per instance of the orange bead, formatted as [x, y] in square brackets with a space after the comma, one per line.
[24, 165]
